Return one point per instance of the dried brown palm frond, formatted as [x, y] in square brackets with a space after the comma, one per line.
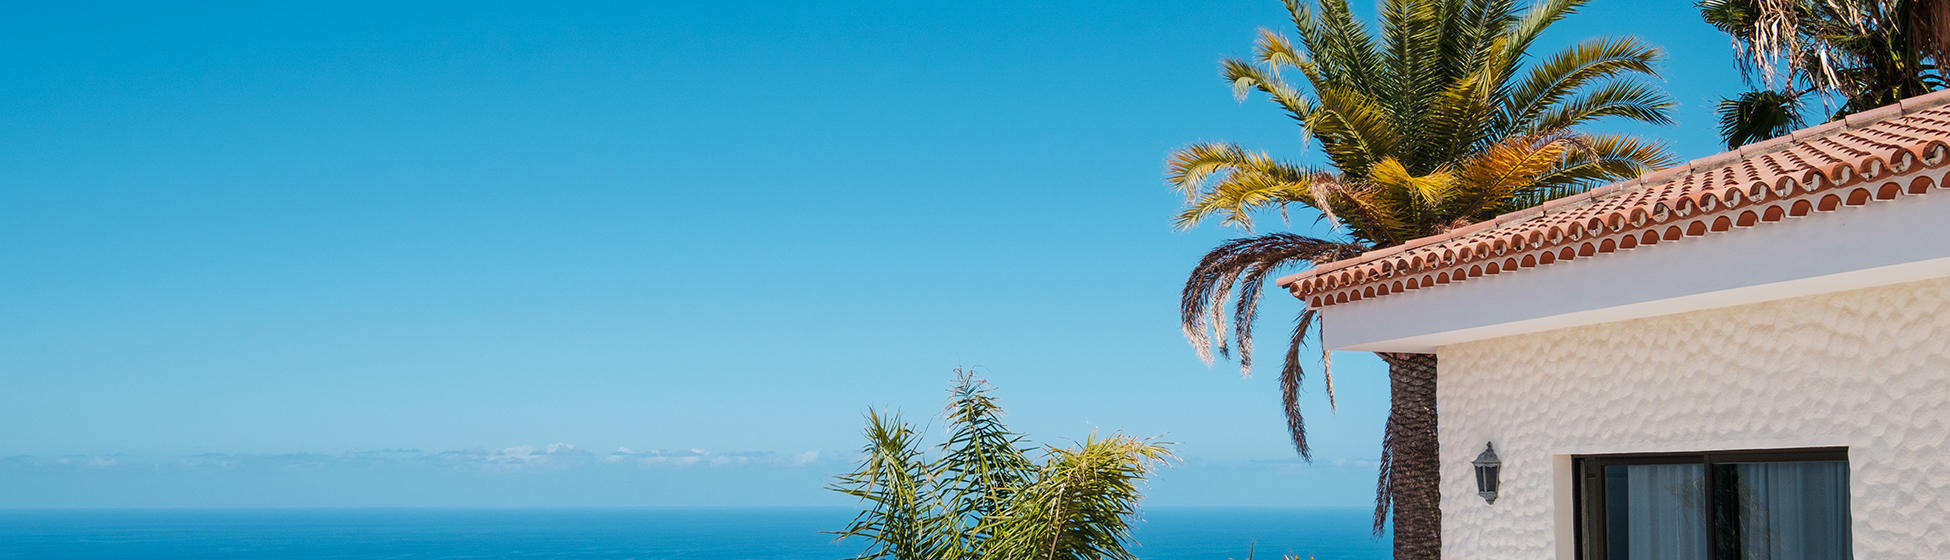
[1246, 264]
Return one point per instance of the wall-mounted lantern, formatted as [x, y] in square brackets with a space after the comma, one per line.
[1487, 470]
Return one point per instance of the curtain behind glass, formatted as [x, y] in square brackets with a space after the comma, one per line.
[1663, 512]
[1793, 511]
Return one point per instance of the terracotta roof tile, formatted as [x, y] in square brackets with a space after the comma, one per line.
[1875, 155]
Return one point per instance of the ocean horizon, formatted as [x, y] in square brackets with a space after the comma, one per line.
[774, 533]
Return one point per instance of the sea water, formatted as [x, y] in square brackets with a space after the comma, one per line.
[593, 533]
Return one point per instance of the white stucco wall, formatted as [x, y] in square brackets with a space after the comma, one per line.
[1868, 369]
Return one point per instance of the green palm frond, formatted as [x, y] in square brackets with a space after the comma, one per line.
[1226, 180]
[1354, 129]
[1475, 33]
[1564, 74]
[1438, 83]
[1344, 52]
[1459, 121]
[1541, 16]
[1757, 116]
[1276, 52]
[1189, 168]
[1246, 77]
[1626, 99]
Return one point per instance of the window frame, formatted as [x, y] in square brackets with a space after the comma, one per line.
[1588, 479]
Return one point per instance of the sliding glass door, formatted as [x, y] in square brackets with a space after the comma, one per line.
[1749, 505]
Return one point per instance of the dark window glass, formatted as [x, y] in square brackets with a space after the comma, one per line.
[1784, 505]
[1788, 511]
[1660, 513]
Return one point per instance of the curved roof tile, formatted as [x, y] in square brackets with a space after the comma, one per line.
[1842, 164]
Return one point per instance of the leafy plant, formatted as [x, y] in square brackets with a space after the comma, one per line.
[1439, 117]
[983, 497]
[1853, 55]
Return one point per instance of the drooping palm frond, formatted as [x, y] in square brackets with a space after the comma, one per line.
[1293, 374]
[1244, 260]
[1767, 35]
[1851, 55]
[1247, 263]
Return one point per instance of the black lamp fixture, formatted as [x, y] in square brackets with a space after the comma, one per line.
[1487, 469]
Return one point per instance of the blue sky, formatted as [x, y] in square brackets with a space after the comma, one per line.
[632, 254]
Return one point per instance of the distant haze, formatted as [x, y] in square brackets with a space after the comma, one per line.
[250, 252]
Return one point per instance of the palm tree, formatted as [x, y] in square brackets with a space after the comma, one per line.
[984, 498]
[1433, 122]
[1867, 53]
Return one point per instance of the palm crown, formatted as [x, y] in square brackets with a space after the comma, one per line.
[1431, 123]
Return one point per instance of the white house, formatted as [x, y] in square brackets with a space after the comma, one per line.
[1744, 357]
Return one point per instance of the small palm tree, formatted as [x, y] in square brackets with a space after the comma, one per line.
[983, 498]
[1439, 120]
[1867, 53]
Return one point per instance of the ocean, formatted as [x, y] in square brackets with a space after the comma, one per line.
[602, 533]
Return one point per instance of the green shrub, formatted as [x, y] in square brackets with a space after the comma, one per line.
[983, 498]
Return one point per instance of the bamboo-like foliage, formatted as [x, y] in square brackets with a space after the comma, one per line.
[901, 519]
[984, 498]
[1853, 55]
[1431, 122]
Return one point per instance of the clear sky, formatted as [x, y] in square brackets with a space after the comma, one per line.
[258, 254]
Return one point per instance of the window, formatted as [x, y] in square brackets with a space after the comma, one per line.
[1737, 505]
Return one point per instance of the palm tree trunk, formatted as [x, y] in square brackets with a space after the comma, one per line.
[1411, 477]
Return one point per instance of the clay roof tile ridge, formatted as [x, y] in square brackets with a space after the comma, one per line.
[1925, 101]
[1873, 116]
[1912, 122]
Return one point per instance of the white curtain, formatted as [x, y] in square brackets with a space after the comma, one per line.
[1793, 511]
[1664, 512]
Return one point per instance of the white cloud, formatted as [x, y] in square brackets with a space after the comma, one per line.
[519, 458]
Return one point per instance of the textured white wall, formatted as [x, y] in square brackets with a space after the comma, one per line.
[1868, 369]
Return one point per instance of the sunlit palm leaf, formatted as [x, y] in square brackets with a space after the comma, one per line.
[1564, 74]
